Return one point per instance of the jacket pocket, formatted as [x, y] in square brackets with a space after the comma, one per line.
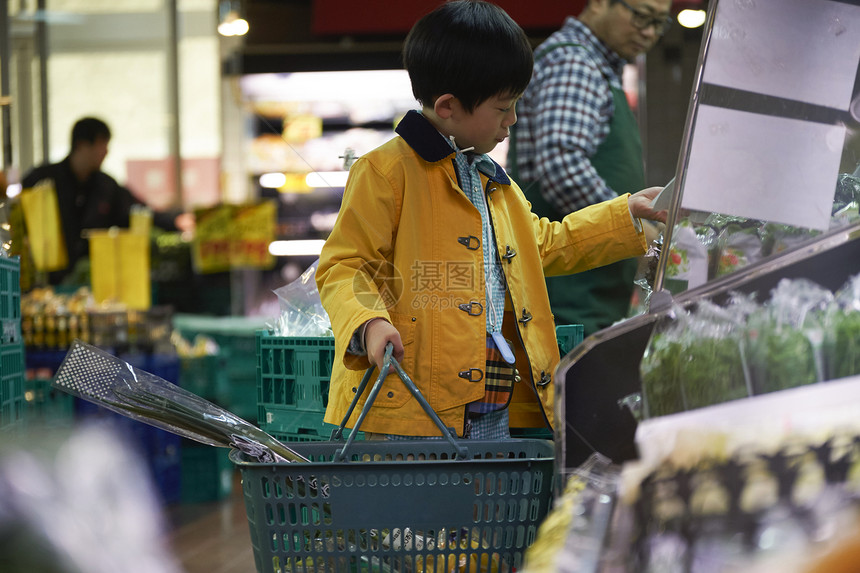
[394, 392]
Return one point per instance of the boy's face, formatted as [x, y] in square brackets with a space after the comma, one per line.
[487, 125]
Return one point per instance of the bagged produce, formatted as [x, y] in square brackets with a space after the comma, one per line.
[661, 390]
[783, 344]
[841, 352]
[694, 361]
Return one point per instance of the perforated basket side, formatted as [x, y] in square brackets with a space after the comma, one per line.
[381, 510]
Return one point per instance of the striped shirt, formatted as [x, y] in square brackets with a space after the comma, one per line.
[564, 116]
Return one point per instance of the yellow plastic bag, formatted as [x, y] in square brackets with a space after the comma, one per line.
[44, 226]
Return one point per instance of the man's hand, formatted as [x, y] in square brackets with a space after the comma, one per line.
[640, 205]
[377, 334]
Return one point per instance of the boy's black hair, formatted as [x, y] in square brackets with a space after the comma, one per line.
[470, 49]
[89, 129]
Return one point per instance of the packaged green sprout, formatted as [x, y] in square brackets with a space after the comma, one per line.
[842, 336]
[693, 360]
[710, 368]
[783, 346]
[661, 388]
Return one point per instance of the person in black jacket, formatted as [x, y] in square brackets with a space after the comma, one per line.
[89, 198]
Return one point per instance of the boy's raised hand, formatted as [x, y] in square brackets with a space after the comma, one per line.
[378, 333]
[640, 205]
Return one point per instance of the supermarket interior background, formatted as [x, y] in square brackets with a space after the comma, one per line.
[248, 114]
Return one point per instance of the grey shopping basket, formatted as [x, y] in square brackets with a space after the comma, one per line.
[412, 506]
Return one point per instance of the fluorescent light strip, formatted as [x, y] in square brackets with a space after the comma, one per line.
[319, 179]
[272, 180]
[296, 248]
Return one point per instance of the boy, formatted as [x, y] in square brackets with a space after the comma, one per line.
[436, 251]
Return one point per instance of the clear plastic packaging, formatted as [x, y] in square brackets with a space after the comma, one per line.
[302, 313]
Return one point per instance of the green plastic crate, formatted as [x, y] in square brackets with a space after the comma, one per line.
[207, 473]
[568, 337]
[10, 300]
[235, 336]
[293, 375]
[45, 405]
[207, 377]
[12, 406]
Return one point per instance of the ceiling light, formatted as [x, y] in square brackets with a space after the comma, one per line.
[691, 18]
[231, 22]
[273, 180]
[233, 25]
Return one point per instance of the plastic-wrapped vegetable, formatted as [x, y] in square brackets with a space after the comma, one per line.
[694, 362]
[661, 388]
[842, 338]
[710, 369]
[845, 200]
[777, 238]
[737, 243]
[784, 339]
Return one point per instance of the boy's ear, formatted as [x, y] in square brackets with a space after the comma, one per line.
[444, 105]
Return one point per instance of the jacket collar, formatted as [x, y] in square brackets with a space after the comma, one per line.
[426, 141]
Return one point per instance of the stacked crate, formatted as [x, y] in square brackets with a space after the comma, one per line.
[235, 338]
[293, 375]
[12, 404]
[207, 472]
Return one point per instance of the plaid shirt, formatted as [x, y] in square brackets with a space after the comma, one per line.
[468, 165]
[564, 116]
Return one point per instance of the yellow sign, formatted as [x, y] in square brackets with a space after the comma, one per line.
[234, 236]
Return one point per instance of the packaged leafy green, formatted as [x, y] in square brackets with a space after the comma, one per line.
[777, 238]
[783, 346]
[710, 368]
[737, 243]
[846, 199]
[842, 338]
[661, 389]
[843, 353]
[688, 257]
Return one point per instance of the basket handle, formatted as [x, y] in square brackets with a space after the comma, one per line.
[388, 360]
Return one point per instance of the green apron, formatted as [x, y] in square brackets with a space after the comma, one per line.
[599, 297]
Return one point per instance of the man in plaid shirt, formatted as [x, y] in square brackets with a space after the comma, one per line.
[577, 141]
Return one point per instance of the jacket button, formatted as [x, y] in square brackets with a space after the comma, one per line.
[544, 379]
[509, 253]
[473, 308]
[526, 316]
[391, 394]
[471, 242]
[517, 377]
[472, 374]
[353, 389]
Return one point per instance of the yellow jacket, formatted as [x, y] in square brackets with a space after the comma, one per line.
[406, 247]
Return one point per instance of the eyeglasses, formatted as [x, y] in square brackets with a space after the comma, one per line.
[641, 21]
